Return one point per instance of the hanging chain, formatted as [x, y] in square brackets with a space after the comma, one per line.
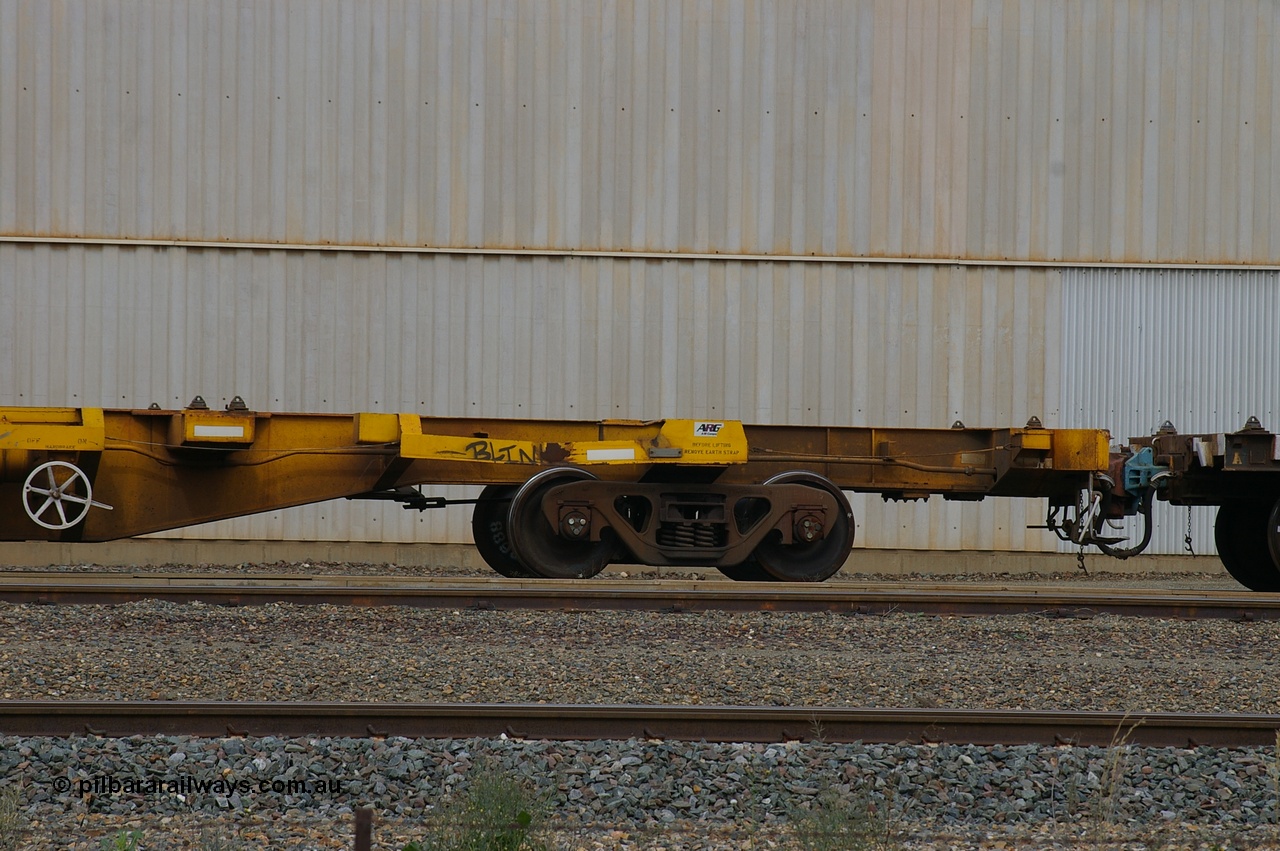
[1186, 540]
[1083, 504]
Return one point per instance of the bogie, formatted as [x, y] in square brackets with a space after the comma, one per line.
[565, 523]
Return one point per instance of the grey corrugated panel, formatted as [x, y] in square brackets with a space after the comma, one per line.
[953, 343]
[1074, 129]
[1198, 348]
[9, 123]
[584, 338]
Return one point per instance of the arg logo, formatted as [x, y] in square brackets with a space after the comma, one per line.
[707, 429]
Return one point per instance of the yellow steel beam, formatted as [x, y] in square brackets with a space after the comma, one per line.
[54, 429]
[167, 469]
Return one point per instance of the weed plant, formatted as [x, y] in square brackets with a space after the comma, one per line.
[1107, 805]
[11, 821]
[125, 840]
[497, 813]
[835, 824]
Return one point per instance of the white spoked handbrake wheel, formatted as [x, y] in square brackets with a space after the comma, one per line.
[57, 495]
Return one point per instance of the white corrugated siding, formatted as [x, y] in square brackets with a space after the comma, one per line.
[1094, 130]
[1198, 348]
[553, 337]
[1121, 130]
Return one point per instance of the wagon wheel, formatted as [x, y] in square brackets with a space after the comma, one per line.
[1273, 535]
[748, 571]
[540, 547]
[1241, 535]
[57, 495]
[489, 529]
[810, 561]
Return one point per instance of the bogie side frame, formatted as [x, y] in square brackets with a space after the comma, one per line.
[563, 498]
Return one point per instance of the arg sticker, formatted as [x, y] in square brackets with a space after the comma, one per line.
[707, 429]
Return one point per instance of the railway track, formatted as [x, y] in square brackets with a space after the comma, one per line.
[682, 723]
[62, 588]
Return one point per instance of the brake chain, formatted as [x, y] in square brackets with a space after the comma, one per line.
[1186, 540]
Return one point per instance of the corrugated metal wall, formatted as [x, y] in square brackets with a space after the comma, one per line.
[533, 337]
[993, 132]
[1199, 348]
[1134, 130]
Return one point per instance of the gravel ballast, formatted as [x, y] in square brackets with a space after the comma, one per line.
[657, 794]
[639, 794]
[166, 651]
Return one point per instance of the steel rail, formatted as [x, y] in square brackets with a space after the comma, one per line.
[657, 595]
[620, 722]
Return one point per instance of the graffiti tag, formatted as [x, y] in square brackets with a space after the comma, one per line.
[487, 450]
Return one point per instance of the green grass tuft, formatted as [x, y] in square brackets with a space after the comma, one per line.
[11, 820]
[125, 840]
[834, 824]
[496, 813]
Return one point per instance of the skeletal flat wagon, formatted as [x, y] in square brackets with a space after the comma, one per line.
[564, 498]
